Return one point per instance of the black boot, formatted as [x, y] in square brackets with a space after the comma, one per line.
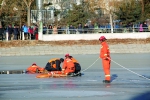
[78, 74]
[71, 74]
[106, 81]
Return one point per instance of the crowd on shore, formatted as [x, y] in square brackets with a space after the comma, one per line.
[31, 32]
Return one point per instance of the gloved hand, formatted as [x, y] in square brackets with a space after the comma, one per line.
[62, 71]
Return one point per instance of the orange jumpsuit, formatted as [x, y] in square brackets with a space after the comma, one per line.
[105, 56]
[68, 66]
[33, 68]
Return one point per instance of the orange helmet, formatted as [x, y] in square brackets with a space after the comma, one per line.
[102, 38]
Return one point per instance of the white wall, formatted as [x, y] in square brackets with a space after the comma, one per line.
[58, 37]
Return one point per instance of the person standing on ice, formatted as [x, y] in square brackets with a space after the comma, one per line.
[106, 60]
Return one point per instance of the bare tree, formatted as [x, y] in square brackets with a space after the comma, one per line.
[2, 4]
[28, 4]
[108, 7]
[142, 3]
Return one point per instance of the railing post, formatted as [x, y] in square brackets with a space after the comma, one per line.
[133, 29]
[66, 31]
[6, 36]
[22, 35]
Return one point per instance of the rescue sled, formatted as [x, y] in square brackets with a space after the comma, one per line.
[57, 74]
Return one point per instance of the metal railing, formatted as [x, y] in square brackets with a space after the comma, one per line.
[95, 30]
[80, 31]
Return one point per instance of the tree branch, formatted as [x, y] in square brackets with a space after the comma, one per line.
[25, 1]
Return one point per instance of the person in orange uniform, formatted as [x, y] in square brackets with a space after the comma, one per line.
[34, 69]
[68, 66]
[105, 56]
[76, 63]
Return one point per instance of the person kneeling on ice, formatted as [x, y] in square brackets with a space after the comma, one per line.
[76, 64]
[68, 66]
[34, 69]
[54, 64]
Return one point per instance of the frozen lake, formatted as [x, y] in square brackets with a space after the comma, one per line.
[125, 85]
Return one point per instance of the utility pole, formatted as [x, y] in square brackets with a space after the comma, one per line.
[39, 5]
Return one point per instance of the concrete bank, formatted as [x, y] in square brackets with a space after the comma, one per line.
[56, 37]
[75, 49]
[89, 36]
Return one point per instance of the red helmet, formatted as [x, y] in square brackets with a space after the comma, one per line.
[102, 38]
[67, 55]
[34, 64]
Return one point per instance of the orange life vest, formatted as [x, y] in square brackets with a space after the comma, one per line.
[53, 60]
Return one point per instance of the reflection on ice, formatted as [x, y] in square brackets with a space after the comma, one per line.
[59, 93]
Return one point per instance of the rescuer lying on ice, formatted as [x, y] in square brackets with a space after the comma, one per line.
[67, 69]
[34, 69]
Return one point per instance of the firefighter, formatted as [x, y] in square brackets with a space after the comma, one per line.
[34, 69]
[68, 66]
[106, 60]
[54, 64]
[77, 65]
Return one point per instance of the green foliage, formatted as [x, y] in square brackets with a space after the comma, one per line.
[76, 15]
[129, 12]
[147, 9]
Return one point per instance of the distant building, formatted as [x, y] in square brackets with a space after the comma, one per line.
[47, 15]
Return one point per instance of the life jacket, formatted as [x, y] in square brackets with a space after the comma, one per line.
[34, 68]
[53, 62]
[77, 65]
[74, 60]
